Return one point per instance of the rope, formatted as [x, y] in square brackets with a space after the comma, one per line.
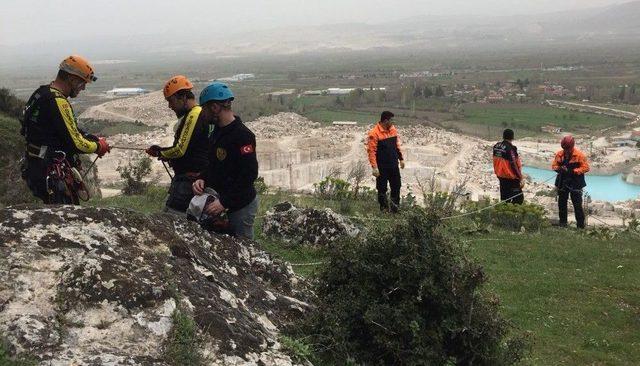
[129, 148]
[490, 206]
[89, 168]
[306, 264]
[614, 227]
[167, 169]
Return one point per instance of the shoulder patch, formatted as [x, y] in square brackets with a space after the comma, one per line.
[246, 149]
[221, 153]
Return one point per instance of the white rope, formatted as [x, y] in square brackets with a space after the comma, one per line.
[490, 206]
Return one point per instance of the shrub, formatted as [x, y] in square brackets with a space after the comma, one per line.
[407, 295]
[297, 349]
[529, 216]
[10, 104]
[515, 217]
[332, 188]
[261, 186]
[133, 174]
[508, 216]
[183, 342]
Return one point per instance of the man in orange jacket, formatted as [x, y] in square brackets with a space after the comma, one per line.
[383, 149]
[508, 169]
[571, 165]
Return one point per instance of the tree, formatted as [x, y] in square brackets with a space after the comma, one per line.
[407, 294]
[439, 91]
[357, 174]
[133, 174]
[623, 92]
[426, 92]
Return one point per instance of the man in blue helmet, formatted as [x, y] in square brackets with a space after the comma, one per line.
[233, 165]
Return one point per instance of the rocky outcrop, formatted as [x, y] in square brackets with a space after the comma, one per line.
[103, 286]
[306, 226]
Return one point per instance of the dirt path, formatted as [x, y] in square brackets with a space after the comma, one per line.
[102, 109]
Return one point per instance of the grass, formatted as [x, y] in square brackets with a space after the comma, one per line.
[578, 296]
[532, 117]
[151, 202]
[182, 344]
[7, 360]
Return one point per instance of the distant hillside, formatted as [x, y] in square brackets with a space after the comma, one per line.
[617, 23]
[588, 27]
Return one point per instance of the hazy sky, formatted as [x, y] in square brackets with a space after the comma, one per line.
[29, 21]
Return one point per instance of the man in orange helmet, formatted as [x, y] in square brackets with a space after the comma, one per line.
[53, 137]
[571, 165]
[188, 156]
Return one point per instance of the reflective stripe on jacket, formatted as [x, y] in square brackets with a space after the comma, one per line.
[189, 152]
[49, 121]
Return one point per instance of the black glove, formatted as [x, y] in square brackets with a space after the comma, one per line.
[153, 150]
[91, 137]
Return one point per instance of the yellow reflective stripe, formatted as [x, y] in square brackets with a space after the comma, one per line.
[81, 143]
[181, 146]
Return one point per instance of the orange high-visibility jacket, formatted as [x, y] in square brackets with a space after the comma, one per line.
[577, 166]
[383, 147]
[578, 162]
[506, 162]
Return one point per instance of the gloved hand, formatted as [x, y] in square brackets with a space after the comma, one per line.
[103, 147]
[401, 164]
[375, 172]
[153, 150]
[92, 137]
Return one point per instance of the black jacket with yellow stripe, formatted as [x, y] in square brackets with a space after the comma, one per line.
[189, 152]
[49, 121]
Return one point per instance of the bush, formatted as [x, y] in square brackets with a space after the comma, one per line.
[530, 216]
[332, 188]
[508, 216]
[260, 186]
[133, 174]
[407, 295]
[10, 104]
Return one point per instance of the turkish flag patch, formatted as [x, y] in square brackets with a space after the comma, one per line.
[246, 149]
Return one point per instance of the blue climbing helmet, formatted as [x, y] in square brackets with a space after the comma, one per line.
[215, 91]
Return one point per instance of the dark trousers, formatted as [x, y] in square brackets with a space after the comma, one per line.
[510, 188]
[576, 199]
[392, 176]
[180, 194]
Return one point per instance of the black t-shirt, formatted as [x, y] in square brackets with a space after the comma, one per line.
[233, 164]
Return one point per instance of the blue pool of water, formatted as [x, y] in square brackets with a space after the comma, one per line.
[600, 187]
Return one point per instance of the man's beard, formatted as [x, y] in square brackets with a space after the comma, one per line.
[181, 112]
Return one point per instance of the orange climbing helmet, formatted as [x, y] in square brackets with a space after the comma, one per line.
[78, 66]
[176, 83]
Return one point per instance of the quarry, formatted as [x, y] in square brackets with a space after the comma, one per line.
[294, 153]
